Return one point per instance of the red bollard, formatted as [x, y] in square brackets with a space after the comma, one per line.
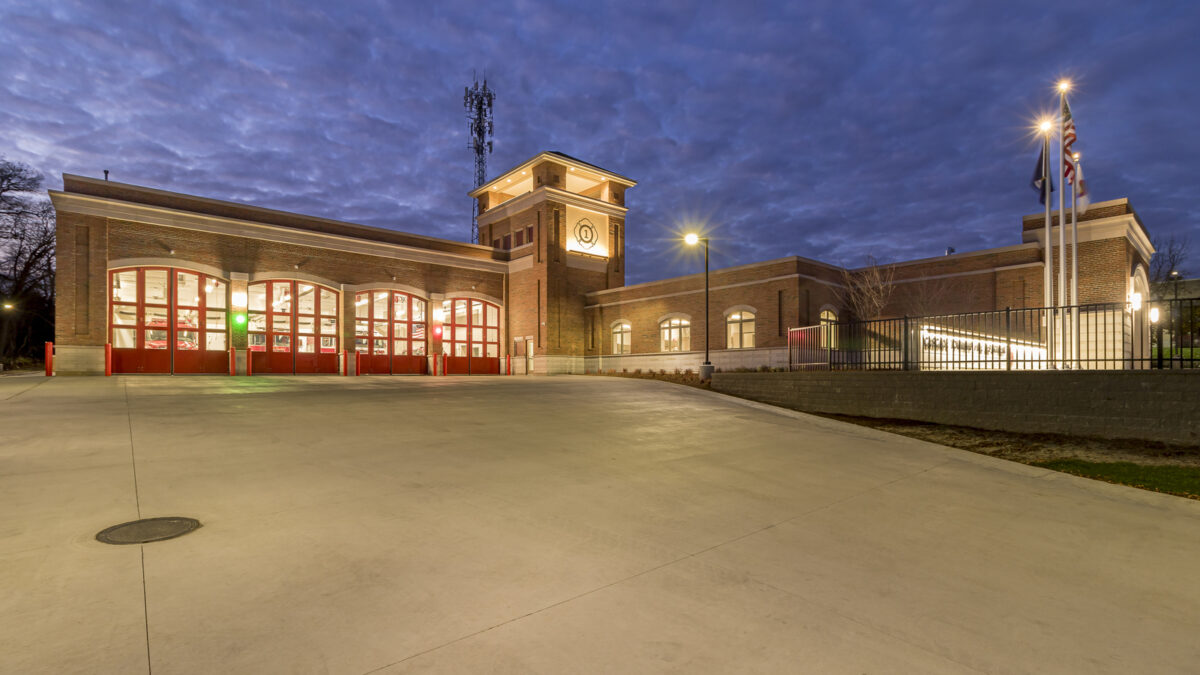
[232, 361]
[49, 359]
[108, 359]
[508, 358]
[345, 363]
[443, 365]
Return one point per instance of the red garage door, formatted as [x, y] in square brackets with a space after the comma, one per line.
[389, 332]
[471, 337]
[168, 320]
[292, 327]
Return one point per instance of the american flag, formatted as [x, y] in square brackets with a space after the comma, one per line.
[1068, 139]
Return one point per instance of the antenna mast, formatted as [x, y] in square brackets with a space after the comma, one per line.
[478, 101]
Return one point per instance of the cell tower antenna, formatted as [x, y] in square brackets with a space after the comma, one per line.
[478, 100]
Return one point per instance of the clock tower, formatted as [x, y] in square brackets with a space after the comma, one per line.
[562, 223]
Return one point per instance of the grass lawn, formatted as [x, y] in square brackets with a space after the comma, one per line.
[1161, 467]
[1177, 480]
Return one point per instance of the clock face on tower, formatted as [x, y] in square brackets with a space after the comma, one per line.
[585, 234]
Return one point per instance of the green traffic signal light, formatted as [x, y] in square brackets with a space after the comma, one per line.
[239, 319]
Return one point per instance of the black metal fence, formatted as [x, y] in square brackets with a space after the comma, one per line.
[1108, 336]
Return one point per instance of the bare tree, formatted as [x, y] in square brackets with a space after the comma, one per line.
[26, 264]
[1170, 255]
[15, 181]
[927, 297]
[867, 290]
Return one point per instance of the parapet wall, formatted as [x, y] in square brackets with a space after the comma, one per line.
[1149, 405]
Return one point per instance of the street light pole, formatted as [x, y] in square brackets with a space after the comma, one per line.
[707, 364]
[706, 369]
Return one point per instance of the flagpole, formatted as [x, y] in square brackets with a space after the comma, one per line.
[1047, 268]
[1062, 212]
[1075, 261]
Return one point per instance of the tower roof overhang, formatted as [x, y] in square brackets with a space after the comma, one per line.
[558, 158]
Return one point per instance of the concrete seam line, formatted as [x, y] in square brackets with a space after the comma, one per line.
[44, 381]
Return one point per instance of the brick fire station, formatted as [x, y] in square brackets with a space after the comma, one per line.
[174, 283]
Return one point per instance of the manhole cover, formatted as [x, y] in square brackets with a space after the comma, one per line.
[147, 530]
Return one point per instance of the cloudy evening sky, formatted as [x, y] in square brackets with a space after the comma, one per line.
[830, 130]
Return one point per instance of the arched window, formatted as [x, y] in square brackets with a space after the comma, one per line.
[620, 338]
[676, 335]
[828, 329]
[389, 331]
[739, 330]
[165, 320]
[389, 323]
[292, 326]
[472, 328]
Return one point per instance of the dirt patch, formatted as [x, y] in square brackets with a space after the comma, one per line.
[1030, 448]
[686, 378]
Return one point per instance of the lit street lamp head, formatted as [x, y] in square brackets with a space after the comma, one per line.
[1064, 86]
[1044, 126]
[691, 239]
[8, 305]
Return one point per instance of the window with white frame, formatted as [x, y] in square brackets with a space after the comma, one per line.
[739, 330]
[620, 338]
[828, 329]
[675, 334]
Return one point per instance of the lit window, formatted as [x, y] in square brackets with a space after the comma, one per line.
[739, 330]
[471, 333]
[828, 329]
[620, 338]
[676, 335]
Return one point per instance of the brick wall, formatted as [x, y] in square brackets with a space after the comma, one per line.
[128, 239]
[1151, 405]
[80, 282]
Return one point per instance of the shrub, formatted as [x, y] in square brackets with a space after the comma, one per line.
[637, 371]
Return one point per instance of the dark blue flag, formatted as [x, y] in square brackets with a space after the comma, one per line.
[1039, 176]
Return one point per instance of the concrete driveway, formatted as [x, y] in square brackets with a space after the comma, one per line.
[556, 525]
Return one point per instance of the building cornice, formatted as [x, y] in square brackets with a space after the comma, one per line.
[545, 193]
[545, 156]
[957, 256]
[736, 268]
[693, 291]
[156, 215]
[80, 185]
[1114, 227]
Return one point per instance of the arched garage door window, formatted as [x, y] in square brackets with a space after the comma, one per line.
[292, 327]
[471, 331]
[168, 320]
[389, 332]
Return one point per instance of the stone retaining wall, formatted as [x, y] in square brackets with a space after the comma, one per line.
[1150, 405]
